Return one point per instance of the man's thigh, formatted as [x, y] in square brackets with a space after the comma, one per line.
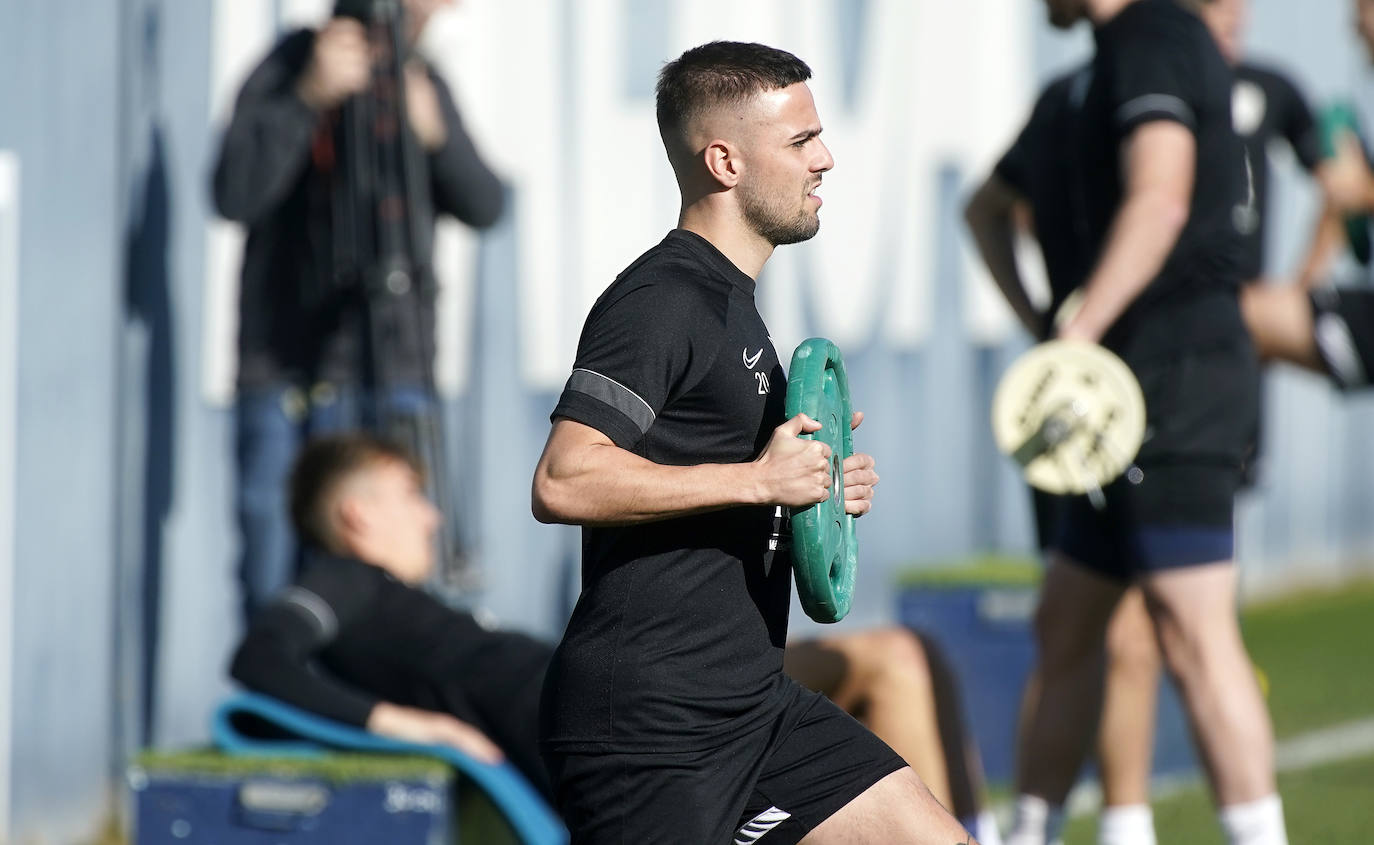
[695, 796]
[814, 769]
[898, 808]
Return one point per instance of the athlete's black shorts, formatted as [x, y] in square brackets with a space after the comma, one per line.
[770, 787]
[1343, 326]
[1174, 508]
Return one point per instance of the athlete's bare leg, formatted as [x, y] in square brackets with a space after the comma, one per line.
[897, 808]
[882, 678]
[1194, 610]
[1125, 738]
[1279, 317]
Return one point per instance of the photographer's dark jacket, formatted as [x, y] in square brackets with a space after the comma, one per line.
[301, 307]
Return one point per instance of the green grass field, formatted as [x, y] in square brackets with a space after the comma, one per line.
[1315, 651]
[1330, 804]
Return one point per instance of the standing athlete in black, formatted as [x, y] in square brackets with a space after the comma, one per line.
[1162, 178]
[1328, 329]
[1036, 175]
[666, 714]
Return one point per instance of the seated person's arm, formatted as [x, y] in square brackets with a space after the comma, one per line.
[276, 658]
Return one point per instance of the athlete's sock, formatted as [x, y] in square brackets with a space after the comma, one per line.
[983, 827]
[986, 832]
[1254, 822]
[1128, 824]
[1036, 822]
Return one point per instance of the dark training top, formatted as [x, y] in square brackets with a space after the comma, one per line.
[676, 640]
[1039, 169]
[1156, 61]
[348, 635]
[300, 318]
[1266, 107]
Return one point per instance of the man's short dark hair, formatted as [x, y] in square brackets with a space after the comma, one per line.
[721, 73]
[325, 463]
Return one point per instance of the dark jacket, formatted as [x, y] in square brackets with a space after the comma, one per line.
[300, 318]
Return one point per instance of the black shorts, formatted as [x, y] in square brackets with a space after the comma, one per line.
[769, 787]
[1343, 327]
[1174, 507]
[1045, 509]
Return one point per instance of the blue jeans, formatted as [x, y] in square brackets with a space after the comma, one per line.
[271, 423]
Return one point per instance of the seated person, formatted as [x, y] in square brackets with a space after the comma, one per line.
[357, 641]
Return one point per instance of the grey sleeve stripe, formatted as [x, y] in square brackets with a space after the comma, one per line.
[1156, 103]
[613, 393]
[316, 609]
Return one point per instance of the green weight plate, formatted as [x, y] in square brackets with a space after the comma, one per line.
[1336, 120]
[824, 549]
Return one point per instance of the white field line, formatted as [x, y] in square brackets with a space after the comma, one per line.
[1345, 741]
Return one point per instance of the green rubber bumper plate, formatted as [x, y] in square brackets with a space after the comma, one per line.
[1336, 120]
[824, 550]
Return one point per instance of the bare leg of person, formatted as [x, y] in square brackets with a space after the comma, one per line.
[1194, 610]
[1059, 725]
[880, 677]
[1279, 317]
[1125, 737]
[896, 809]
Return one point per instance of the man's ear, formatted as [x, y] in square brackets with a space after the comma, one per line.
[349, 516]
[723, 163]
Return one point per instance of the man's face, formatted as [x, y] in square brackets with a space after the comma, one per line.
[1064, 14]
[1226, 20]
[1364, 24]
[784, 160]
[394, 521]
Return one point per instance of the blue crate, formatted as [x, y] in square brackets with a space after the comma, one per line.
[985, 631]
[180, 807]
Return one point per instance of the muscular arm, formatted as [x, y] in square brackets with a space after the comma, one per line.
[583, 478]
[991, 220]
[1158, 160]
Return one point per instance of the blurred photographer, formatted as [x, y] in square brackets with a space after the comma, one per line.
[339, 178]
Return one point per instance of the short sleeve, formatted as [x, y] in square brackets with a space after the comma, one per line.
[637, 350]
[1299, 127]
[1155, 74]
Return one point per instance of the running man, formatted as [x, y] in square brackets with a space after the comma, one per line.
[666, 712]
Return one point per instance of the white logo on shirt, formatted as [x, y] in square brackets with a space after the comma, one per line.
[752, 361]
[762, 379]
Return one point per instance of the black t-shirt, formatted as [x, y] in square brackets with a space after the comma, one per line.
[676, 640]
[1040, 171]
[1267, 106]
[347, 635]
[1157, 61]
